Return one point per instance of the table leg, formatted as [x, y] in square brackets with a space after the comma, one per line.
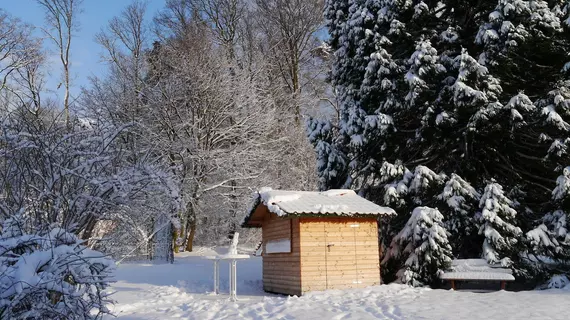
[216, 276]
[233, 280]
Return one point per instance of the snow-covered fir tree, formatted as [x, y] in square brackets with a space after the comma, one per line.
[424, 64]
[561, 193]
[451, 86]
[414, 186]
[421, 248]
[331, 161]
[497, 221]
[555, 111]
[405, 190]
[460, 202]
[551, 238]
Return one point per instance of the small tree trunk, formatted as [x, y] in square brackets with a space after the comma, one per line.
[190, 239]
[172, 246]
[190, 229]
[175, 235]
[66, 96]
[150, 241]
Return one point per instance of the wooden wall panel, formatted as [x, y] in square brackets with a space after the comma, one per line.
[313, 247]
[353, 261]
[282, 271]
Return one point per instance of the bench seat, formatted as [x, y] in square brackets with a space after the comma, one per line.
[476, 270]
[474, 276]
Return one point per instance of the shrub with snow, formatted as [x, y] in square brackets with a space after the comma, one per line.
[551, 237]
[558, 281]
[421, 248]
[50, 274]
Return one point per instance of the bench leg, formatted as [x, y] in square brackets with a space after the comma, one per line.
[452, 284]
[503, 285]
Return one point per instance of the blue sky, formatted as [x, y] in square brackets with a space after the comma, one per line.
[86, 54]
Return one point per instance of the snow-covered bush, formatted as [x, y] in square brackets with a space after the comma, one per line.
[48, 273]
[421, 248]
[551, 237]
[82, 178]
[558, 281]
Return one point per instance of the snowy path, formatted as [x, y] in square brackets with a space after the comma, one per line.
[181, 291]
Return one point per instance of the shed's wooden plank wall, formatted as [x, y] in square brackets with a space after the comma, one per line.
[313, 250]
[351, 262]
[282, 271]
[367, 253]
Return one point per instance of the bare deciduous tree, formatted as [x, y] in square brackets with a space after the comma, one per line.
[20, 62]
[124, 41]
[61, 19]
[290, 28]
[14, 40]
[210, 123]
[210, 113]
[223, 16]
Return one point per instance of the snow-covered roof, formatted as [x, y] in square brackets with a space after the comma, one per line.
[476, 269]
[336, 202]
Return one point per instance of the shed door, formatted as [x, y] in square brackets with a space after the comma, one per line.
[341, 261]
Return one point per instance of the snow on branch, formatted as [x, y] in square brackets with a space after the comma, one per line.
[562, 190]
[47, 273]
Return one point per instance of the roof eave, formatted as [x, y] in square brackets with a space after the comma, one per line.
[245, 223]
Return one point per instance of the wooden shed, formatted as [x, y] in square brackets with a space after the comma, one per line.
[317, 240]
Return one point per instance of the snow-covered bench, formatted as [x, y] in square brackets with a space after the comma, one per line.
[477, 270]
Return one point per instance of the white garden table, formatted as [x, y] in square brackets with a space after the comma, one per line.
[232, 260]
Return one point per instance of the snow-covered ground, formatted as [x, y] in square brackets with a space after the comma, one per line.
[183, 291]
